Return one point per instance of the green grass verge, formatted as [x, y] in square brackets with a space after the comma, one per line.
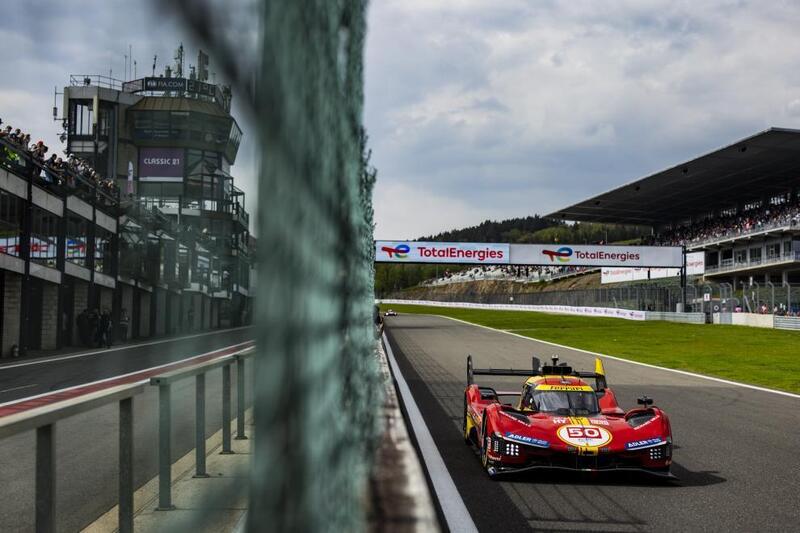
[766, 357]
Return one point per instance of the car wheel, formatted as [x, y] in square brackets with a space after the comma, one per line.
[485, 443]
[467, 439]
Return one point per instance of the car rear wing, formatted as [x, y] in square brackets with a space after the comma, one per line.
[556, 369]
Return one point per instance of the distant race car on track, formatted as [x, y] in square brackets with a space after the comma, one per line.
[564, 420]
[390, 312]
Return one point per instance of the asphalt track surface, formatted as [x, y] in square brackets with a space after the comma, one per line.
[87, 444]
[736, 449]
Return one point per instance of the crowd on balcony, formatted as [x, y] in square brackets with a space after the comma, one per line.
[53, 169]
[749, 221]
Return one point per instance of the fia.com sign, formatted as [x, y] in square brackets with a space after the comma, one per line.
[528, 254]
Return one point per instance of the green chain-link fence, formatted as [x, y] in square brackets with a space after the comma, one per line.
[317, 388]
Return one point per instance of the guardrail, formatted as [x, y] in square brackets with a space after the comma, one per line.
[164, 383]
[729, 265]
[787, 322]
[43, 420]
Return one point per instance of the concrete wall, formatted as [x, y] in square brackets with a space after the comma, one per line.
[81, 302]
[106, 296]
[161, 310]
[214, 313]
[752, 319]
[49, 326]
[11, 305]
[744, 319]
[144, 313]
[197, 302]
[207, 313]
[175, 313]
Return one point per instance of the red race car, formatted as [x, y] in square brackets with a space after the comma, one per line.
[564, 420]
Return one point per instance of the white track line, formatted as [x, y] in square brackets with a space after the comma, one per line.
[55, 358]
[56, 391]
[12, 389]
[685, 373]
[455, 512]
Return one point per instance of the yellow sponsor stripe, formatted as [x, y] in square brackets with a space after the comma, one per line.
[565, 388]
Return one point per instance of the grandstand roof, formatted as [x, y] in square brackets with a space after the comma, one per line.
[764, 164]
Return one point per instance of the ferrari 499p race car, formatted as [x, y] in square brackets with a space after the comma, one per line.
[564, 419]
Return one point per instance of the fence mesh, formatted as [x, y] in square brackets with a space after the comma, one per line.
[317, 386]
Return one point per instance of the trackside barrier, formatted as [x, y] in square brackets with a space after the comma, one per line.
[164, 383]
[787, 322]
[613, 312]
[43, 420]
[688, 318]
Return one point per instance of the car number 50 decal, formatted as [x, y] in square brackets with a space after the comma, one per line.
[584, 435]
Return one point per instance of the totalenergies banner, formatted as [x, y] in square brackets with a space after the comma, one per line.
[528, 254]
[596, 255]
[441, 252]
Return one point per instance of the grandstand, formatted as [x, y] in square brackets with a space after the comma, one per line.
[739, 205]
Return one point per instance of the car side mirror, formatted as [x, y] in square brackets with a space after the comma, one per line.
[645, 401]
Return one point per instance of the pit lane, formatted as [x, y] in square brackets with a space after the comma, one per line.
[735, 453]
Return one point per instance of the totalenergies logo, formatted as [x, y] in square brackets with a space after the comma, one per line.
[562, 254]
[400, 251]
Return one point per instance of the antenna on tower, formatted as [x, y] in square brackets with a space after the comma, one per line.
[202, 66]
[179, 62]
[155, 60]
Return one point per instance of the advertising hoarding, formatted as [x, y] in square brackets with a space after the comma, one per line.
[596, 255]
[441, 252]
[165, 84]
[695, 266]
[528, 254]
[161, 164]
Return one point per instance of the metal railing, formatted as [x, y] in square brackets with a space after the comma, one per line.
[63, 182]
[728, 265]
[44, 419]
[164, 383]
[98, 80]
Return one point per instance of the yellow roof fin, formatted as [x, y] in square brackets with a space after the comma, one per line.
[598, 367]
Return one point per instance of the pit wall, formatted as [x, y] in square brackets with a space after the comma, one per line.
[612, 312]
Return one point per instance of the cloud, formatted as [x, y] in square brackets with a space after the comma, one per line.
[47, 41]
[526, 107]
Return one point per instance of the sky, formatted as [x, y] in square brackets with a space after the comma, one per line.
[476, 110]
[46, 41]
[490, 110]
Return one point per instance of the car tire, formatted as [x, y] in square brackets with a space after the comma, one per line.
[485, 439]
[467, 439]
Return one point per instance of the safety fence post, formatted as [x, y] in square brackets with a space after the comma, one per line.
[226, 410]
[164, 448]
[125, 509]
[45, 479]
[200, 425]
[240, 433]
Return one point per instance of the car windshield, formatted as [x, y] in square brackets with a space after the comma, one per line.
[566, 402]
